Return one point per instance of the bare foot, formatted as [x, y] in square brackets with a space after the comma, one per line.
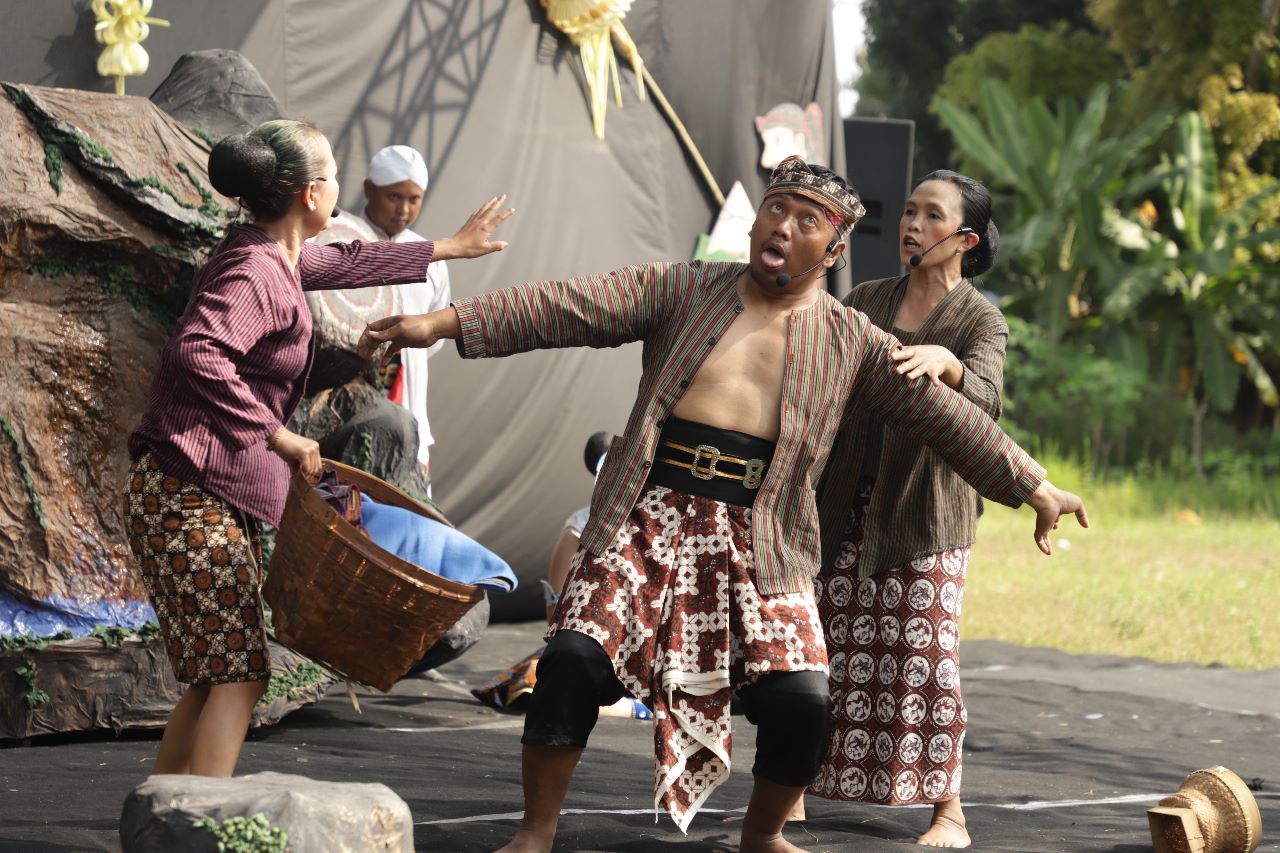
[528, 842]
[775, 843]
[797, 811]
[948, 827]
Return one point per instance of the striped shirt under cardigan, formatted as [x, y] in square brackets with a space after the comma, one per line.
[919, 504]
[236, 366]
[834, 355]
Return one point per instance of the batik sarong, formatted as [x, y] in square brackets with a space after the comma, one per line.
[898, 720]
[674, 604]
[200, 567]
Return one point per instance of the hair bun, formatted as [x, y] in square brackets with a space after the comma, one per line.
[982, 257]
[242, 165]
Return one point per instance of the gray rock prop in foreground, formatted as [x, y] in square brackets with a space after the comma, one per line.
[320, 817]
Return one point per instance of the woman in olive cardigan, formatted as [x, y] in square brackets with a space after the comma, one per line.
[897, 524]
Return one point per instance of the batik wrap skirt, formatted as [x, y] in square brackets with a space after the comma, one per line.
[673, 602]
[200, 567]
[899, 720]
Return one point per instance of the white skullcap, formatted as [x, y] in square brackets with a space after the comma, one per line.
[397, 163]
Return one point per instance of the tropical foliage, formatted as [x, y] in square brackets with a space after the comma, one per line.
[1127, 273]
[1133, 149]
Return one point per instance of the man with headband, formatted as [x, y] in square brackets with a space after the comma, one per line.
[393, 191]
[695, 573]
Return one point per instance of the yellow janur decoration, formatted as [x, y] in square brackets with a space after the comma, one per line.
[592, 25]
[122, 26]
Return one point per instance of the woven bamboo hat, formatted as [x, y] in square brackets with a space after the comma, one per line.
[1227, 814]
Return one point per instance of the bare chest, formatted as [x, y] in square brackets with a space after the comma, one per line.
[739, 385]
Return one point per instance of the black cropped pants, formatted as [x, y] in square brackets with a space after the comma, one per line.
[790, 710]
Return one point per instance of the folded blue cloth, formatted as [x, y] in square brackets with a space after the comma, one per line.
[436, 547]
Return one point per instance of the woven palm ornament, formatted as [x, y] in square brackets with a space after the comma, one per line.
[593, 25]
[122, 26]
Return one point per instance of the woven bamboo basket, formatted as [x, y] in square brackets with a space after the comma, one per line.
[338, 598]
[1213, 812]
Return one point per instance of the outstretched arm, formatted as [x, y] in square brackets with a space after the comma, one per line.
[602, 310]
[473, 238]
[392, 334]
[338, 266]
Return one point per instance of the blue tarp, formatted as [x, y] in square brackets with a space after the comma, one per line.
[20, 617]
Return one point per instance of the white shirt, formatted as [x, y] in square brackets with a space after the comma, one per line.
[430, 295]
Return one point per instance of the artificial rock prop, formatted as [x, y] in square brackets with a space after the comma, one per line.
[319, 817]
[217, 92]
[105, 212]
[115, 682]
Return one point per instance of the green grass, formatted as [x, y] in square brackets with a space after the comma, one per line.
[1145, 580]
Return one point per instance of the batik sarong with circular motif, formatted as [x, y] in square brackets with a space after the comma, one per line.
[200, 567]
[899, 720]
[674, 604]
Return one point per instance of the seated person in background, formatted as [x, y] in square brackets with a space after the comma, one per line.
[566, 546]
[510, 689]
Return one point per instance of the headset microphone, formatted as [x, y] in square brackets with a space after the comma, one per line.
[918, 257]
[785, 279]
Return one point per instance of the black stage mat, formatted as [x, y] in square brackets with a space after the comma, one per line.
[1064, 752]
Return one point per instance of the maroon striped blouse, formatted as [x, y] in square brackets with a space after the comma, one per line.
[236, 366]
[834, 355]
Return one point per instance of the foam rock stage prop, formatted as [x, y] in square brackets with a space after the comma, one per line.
[105, 214]
[216, 93]
[168, 813]
[119, 682]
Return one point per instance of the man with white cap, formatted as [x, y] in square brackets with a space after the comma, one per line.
[393, 191]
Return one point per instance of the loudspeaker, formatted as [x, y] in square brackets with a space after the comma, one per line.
[878, 154]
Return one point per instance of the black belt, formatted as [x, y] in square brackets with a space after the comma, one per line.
[715, 463]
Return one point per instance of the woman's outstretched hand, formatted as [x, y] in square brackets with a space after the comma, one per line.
[472, 239]
[1050, 504]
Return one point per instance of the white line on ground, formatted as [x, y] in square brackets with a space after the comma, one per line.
[518, 815]
[1035, 805]
[1241, 711]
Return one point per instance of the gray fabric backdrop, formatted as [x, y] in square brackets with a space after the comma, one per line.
[493, 96]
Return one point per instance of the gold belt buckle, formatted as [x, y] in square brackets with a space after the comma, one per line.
[712, 453]
[754, 473]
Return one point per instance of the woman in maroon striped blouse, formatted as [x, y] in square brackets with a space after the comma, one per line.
[212, 455]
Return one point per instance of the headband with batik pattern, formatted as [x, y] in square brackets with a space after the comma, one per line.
[794, 175]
